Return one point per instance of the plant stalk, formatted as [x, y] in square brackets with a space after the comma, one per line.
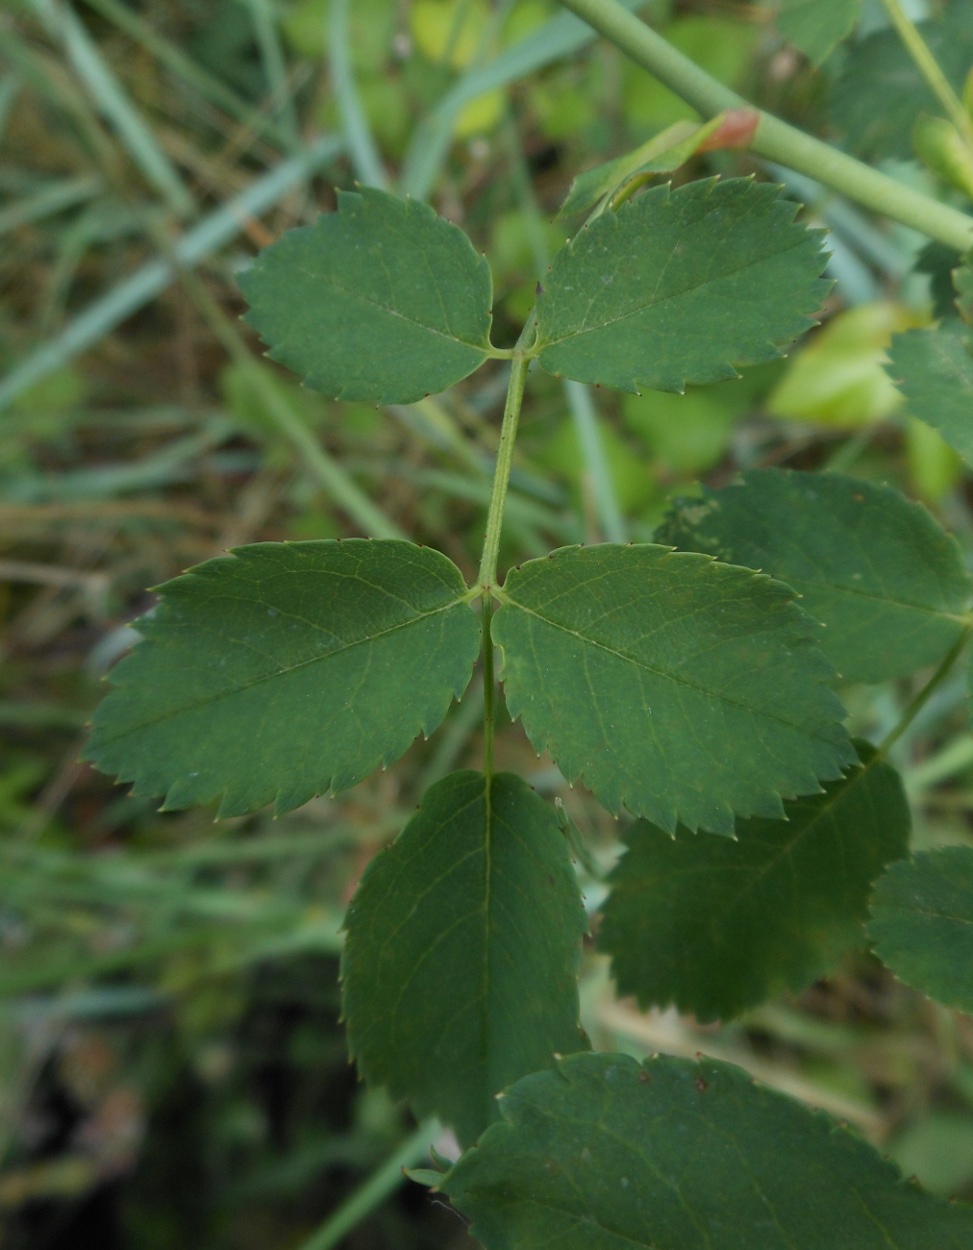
[928, 67]
[384, 1181]
[505, 454]
[922, 697]
[774, 139]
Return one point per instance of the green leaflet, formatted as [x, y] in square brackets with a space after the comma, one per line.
[460, 966]
[817, 26]
[934, 370]
[878, 571]
[716, 926]
[662, 153]
[881, 92]
[605, 1153]
[381, 301]
[287, 670]
[650, 296]
[922, 923]
[673, 686]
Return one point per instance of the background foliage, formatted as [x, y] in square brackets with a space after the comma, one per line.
[171, 1062]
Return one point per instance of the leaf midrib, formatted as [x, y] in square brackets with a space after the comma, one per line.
[171, 713]
[692, 289]
[857, 775]
[696, 687]
[833, 587]
[448, 335]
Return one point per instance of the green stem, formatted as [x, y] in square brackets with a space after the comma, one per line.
[501, 474]
[920, 700]
[384, 1181]
[774, 139]
[928, 67]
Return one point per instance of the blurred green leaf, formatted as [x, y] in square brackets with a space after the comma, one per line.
[837, 376]
[716, 926]
[463, 943]
[881, 91]
[887, 582]
[937, 1150]
[922, 923]
[818, 26]
[934, 371]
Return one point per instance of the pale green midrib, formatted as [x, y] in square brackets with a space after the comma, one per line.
[838, 587]
[486, 1030]
[542, 344]
[679, 681]
[858, 774]
[485, 346]
[631, 1148]
[928, 915]
[171, 713]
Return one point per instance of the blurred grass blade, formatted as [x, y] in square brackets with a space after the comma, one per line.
[430, 143]
[275, 67]
[362, 149]
[596, 467]
[116, 105]
[9, 86]
[181, 66]
[382, 1182]
[224, 224]
[53, 197]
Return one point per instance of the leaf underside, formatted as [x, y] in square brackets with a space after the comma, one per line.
[934, 371]
[605, 1153]
[881, 92]
[716, 926]
[922, 924]
[675, 687]
[662, 153]
[287, 670]
[382, 301]
[817, 26]
[651, 296]
[878, 571]
[461, 960]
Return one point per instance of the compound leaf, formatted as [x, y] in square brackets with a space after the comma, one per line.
[671, 685]
[922, 923]
[934, 370]
[817, 26]
[605, 1153]
[878, 571]
[287, 670]
[460, 966]
[381, 301]
[716, 926]
[881, 92]
[651, 295]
